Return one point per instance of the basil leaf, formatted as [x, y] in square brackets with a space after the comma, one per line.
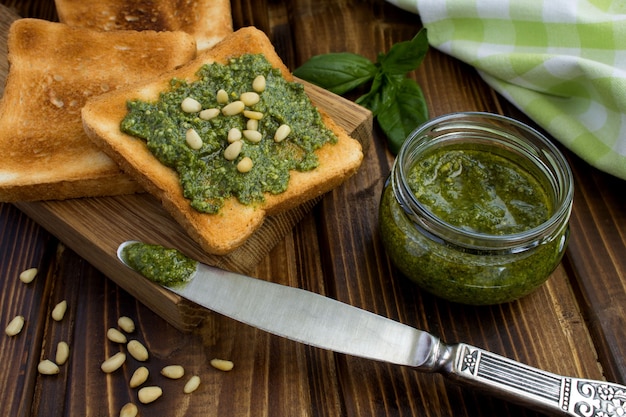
[373, 99]
[337, 72]
[404, 57]
[402, 114]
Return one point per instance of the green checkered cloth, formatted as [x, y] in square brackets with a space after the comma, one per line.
[562, 62]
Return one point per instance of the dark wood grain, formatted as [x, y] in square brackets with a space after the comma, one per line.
[572, 325]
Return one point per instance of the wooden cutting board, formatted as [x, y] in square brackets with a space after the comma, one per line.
[94, 227]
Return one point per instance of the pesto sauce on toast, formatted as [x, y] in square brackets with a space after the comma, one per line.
[207, 177]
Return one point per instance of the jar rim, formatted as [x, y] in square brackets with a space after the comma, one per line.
[535, 146]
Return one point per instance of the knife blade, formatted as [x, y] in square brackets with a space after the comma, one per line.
[323, 322]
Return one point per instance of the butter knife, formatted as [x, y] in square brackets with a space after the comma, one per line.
[319, 321]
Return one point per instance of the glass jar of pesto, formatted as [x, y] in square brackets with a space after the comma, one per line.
[476, 208]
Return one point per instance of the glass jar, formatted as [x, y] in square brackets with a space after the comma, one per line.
[464, 263]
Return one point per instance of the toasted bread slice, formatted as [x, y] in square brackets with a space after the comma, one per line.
[54, 69]
[222, 232]
[209, 21]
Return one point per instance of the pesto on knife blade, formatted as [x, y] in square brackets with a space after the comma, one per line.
[207, 177]
[168, 267]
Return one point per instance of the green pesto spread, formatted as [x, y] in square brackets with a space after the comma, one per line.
[479, 192]
[167, 267]
[206, 176]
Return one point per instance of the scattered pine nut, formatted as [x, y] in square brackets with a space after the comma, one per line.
[126, 323]
[252, 135]
[116, 336]
[208, 114]
[139, 377]
[222, 97]
[250, 98]
[252, 124]
[192, 384]
[234, 108]
[193, 139]
[63, 353]
[15, 326]
[137, 350]
[234, 135]
[129, 410]
[28, 275]
[233, 150]
[281, 133]
[190, 105]
[47, 367]
[173, 371]
[222, 364]
[245, 165]
[256, 115]
[59, 311]
[149, 394]
[113, 363]
[258, 84]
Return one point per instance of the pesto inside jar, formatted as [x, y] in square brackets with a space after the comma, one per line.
[208, 174]
[475, 218]
[479, 191]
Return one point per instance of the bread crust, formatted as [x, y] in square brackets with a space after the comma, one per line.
[222, 232]
[208, 21]
[53, 70]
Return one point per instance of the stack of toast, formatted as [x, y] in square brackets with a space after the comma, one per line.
[67, 92]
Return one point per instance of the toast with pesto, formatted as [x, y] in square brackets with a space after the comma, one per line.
[208, 21]
[159, 152]
[53, 70]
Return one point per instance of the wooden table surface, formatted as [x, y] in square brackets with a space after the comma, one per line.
[573, 325]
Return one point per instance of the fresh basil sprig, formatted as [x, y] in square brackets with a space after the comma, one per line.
[396, 101]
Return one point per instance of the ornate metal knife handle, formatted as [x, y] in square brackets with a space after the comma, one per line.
[532, 387]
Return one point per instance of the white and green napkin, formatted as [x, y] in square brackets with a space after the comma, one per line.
[562, 62]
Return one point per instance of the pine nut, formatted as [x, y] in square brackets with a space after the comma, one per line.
[245, 165]
[113, 363]
[149, 394]
[233, 150]
[258, 84]
[252, 124]
[126, 323]
[116, 336]
[234, 135]
[281, 133]
[253, 135]
[190, 105]
[250, 98]
[139, 377]
[222, 97]
[193, 139]
[137, 350]
[15, 326]
[209, 114]
[222, 364]
[63, 353]
[256, 115]
[129, 410]
[192, 384]
[234, 108]
[59, 311]
[47, 367]
[173, 371]
[28, 275]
